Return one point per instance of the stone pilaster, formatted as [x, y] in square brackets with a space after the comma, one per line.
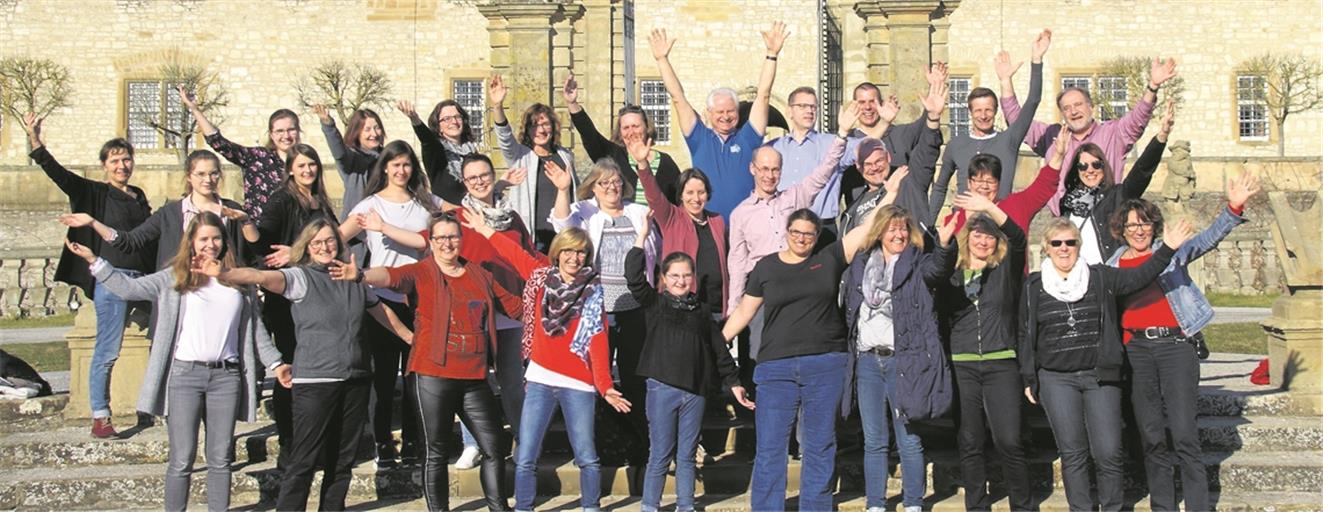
[902, 38]
[1295, 329]
[600, 61]
[125, 379]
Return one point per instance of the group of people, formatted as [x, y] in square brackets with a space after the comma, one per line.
[820, 256]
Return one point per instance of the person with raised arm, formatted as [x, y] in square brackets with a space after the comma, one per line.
[632, 122]
[263, 166]
[799, 288]
[1112, 138]
[1161, 326]
[121, 206]
[722, 150]
[443, 143]
[983, 137]
[1071, 357]
[332, 372]
[455, 339]
[164, 230]
[538, 146]
[569, 362]
[207, 349]
[976, 313]
[1092, 195]
[355, 152]
[801, 149]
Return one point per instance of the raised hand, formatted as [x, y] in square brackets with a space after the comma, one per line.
[202, 264]
[894, 181]
[558, 176]
[742, 396]
[660, 43]
[639, 148]
[1161, 70]
[1241, 188]
[935, 101]
[232, 214]
[32, 125]
[847, 117]
[322, 114]
[1006, 68]
[371, 221]
[1041, 44]
[571, 90]
[617, 400]
[515, 176]
[1168, 120]
[1059, 147]
[775, 38]
[80, 250]
[76, 220]
[406, 107]
[187, 98]
[1176, 234]
[889, 109]
[947, 230]
[972, 202]
[936, 74]
[475, 220]
[279, 256]
[341, 271]
[496, 91]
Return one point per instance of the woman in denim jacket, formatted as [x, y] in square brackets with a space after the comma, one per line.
[1158, 323]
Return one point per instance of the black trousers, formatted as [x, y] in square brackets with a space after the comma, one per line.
[510, 374]
[626, 339]
[389, 355]
[990, 393]
[439, 400]
[276, 316]
[328, 418]
[1164, 389]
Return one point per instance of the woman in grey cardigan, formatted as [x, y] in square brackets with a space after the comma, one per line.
[204, 357]
[537, 145]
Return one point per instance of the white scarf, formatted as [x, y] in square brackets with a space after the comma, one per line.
[1070, 289]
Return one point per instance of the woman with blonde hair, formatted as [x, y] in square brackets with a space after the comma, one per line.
[207, 348]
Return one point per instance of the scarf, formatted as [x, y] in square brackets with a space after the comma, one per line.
[562, 301]
[688, 302]
[1079, 201]
[877, 281]
[499, 216]
[1070, 289]
[459, 151]
[536, 281]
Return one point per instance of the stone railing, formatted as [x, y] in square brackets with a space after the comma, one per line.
[28, 287]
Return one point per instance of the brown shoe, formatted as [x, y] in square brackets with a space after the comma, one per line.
[101, 429]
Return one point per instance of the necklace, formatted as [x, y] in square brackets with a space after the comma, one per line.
[1070, 319]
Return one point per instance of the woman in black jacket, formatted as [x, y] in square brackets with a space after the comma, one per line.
[683, 348]
[977, 313]
[1070, 355]
[165, 228]
[1091, 196]
[631, 120]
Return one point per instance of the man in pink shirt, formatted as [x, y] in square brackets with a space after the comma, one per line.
[1115, 137]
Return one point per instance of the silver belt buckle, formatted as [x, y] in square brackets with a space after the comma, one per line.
[1147, 334]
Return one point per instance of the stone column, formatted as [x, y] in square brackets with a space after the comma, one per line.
[129, 369]
[1295, 329]
[903, 37]
[600, 63]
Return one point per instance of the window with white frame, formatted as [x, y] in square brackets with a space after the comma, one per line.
[957, 105]
[1112, 97]
[1252, 107]
[150, 103]
[1083, 82]
[657, 103]
[468, 93]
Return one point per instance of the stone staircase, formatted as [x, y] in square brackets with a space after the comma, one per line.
[1258, 458]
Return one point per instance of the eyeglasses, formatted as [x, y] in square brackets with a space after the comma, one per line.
[445, 238]
[802, 235]
[679, 277]
[990, 183]
[1097, 165]
[610, 183]
[767, 170]
[1068, 243]
[451, 119]
[1138, 226]
[328, 243]
[805, 106]
[211, 175]
[481, 178]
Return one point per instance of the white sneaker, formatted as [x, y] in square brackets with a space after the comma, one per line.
[469, 458]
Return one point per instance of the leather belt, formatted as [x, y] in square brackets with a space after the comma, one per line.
[230, 364]
[879, 351]
[1159, 333]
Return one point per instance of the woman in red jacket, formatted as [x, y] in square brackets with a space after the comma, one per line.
[565, 342]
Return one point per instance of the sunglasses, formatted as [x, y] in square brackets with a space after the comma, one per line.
[1068, 243]
[1097, 165]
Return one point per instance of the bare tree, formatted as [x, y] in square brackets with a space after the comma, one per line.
[1135, 72]
[344, 87]
[178, 126]
[1292, 87]
[33, 85]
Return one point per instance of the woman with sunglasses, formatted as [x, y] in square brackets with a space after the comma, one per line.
[1070, 355]
[632, 122]
[455, 339]
[537, 146]
[569, 362]
[207, 348]
[1159, 324]
[165, 228]
[263, 166]
[1091, 195]
[331, 369]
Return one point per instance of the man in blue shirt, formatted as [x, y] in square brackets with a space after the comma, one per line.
[722, 150]
[801, 149]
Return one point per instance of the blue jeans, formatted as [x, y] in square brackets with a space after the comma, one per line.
[579, 409]
[111, 316]
[784, 387]
[875, 379]
[1085, 416]
[675, 417]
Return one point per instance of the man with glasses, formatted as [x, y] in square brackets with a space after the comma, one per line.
[801, 149]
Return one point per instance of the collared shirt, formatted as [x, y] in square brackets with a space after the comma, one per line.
[758, 224]
[726, 163]
[191, 210]
[799, 158]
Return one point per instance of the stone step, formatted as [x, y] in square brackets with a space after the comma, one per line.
[33, 414]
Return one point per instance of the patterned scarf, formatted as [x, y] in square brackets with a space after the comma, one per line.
[499, 216]
[561, 303]
[877, 281]
[537, 281]
[688, 302]
[458, 151]
[1079, 201]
